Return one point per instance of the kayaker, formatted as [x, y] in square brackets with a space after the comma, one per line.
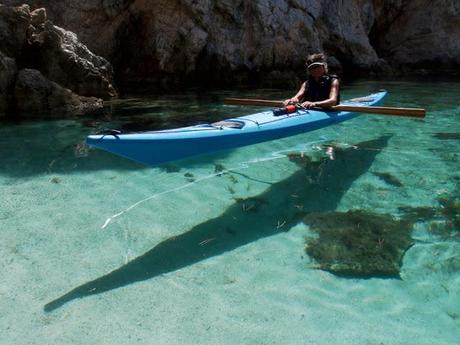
[321, 89]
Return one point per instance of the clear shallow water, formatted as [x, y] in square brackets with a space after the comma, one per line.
[212, 250]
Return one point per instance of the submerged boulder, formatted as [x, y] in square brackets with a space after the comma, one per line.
[443, 219]
[358, 243]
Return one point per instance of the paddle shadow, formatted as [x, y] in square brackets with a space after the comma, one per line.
[315, 187]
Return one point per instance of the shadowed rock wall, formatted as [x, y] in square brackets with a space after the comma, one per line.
[45, 69]
[422, 35]
[171, 42]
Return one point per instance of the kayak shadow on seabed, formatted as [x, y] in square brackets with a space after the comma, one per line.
[316, 186]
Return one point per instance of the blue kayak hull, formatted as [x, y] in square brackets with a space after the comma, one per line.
[157, 147]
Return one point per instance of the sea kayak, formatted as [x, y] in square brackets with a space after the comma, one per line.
[157, 147]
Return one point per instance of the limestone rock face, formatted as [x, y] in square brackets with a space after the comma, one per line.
[14, 22]
[177, 41]
[53, 66]
[7, 77]
[59, 55]
[35, 94]
[234, 41]
[419, 34]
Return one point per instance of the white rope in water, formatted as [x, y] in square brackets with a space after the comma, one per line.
[107, 222]
[245, 165]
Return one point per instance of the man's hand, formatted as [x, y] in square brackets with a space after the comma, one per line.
[293, 100]
[308, 104]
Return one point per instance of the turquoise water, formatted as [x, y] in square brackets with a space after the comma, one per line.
[212, 250]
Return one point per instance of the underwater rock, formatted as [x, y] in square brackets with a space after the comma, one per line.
[452, 264]
[418, 214]
[323, 152]
[230, 189]
[447, 136]
[450, 209]
[317, 163]
[444, 220]
[189, 177]
[251, 204]
[219, 169]
[453, 315]
[358, 243]
[55, 180]
[170, 168]
[300, 159]
[388, 178]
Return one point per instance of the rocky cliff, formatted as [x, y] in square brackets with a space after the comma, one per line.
[45, 69]
[172, 42]
[419, 36]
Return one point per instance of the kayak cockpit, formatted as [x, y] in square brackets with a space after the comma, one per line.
[237, 124]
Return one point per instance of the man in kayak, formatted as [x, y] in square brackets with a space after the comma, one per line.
[321, 89]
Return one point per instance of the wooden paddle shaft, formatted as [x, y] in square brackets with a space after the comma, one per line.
[257, 102]
[410, 112]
